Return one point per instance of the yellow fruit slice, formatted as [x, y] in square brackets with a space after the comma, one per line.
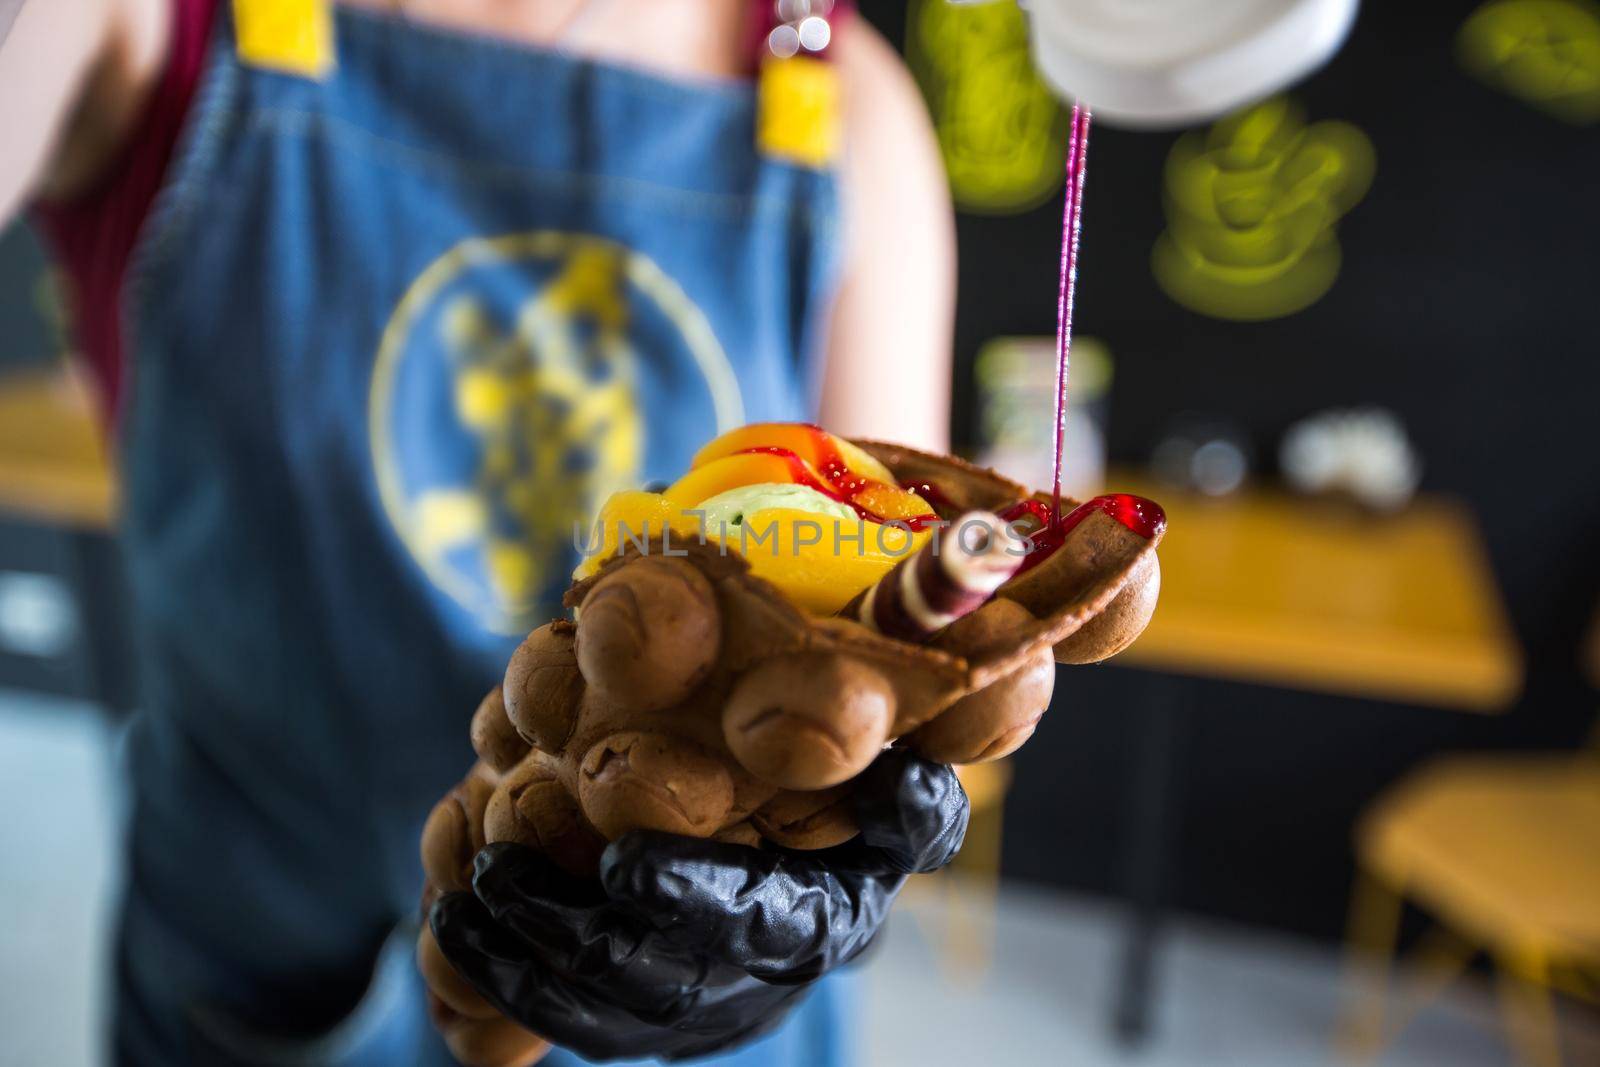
[633, 517]
[819, 448]
[818, 558]
[741, 469]
[800, 454]
[817, 561]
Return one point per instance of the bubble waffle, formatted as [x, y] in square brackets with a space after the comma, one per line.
[691, 696]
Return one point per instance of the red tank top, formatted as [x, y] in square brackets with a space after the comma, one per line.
[93, 235]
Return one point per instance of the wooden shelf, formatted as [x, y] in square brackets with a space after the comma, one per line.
[53, 462]
[1272, 588]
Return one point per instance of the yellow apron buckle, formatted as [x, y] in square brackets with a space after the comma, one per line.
[797, 111]
[290, 36]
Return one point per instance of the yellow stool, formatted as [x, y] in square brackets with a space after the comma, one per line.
[1504, 852]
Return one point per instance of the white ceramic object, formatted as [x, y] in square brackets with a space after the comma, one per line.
[1362, 452]
[1168, 63]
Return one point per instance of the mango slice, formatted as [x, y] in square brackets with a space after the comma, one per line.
[813, 444]
[818, 560]
[797, 452]
[635, 517]
[731, 472]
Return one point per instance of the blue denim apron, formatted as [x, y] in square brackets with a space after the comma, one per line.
[395, 333]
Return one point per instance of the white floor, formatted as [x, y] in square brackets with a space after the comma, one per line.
[1228, 997]
[59, 819]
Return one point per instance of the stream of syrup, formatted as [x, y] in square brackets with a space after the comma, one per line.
[1049, 526]
[1144, 517]
[1071, 223]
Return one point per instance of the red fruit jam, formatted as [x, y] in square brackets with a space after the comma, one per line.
[1143, 517]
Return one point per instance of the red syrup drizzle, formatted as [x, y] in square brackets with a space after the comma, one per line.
[832, 464]
[841, 483]
[1144, 517]
[1050, 528]
[1071, 223]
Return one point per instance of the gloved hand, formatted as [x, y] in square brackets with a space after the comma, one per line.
[687, 946]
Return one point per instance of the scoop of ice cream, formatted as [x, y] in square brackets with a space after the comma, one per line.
[731, 508]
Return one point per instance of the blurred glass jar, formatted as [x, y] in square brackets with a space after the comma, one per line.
[1015, 405]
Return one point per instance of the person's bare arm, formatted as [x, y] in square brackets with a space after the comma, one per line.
[887, 373]
[73, 75]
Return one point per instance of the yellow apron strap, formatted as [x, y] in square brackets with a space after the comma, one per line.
[290, 36]
[798, 110]
[797, 98]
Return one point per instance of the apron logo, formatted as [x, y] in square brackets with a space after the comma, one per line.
[506, 406]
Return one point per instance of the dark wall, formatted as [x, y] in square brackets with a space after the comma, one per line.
[1468, 302]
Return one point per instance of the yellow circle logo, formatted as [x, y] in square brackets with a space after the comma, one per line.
[509, 400]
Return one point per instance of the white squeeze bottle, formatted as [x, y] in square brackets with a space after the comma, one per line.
[1167, 63]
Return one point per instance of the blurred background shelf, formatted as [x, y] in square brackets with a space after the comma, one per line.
[63, 628]
[54, 468]
[1271, 588]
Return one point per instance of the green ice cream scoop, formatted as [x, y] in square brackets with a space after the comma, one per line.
[730, 509]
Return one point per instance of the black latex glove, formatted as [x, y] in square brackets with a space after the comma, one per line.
[685, 946]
